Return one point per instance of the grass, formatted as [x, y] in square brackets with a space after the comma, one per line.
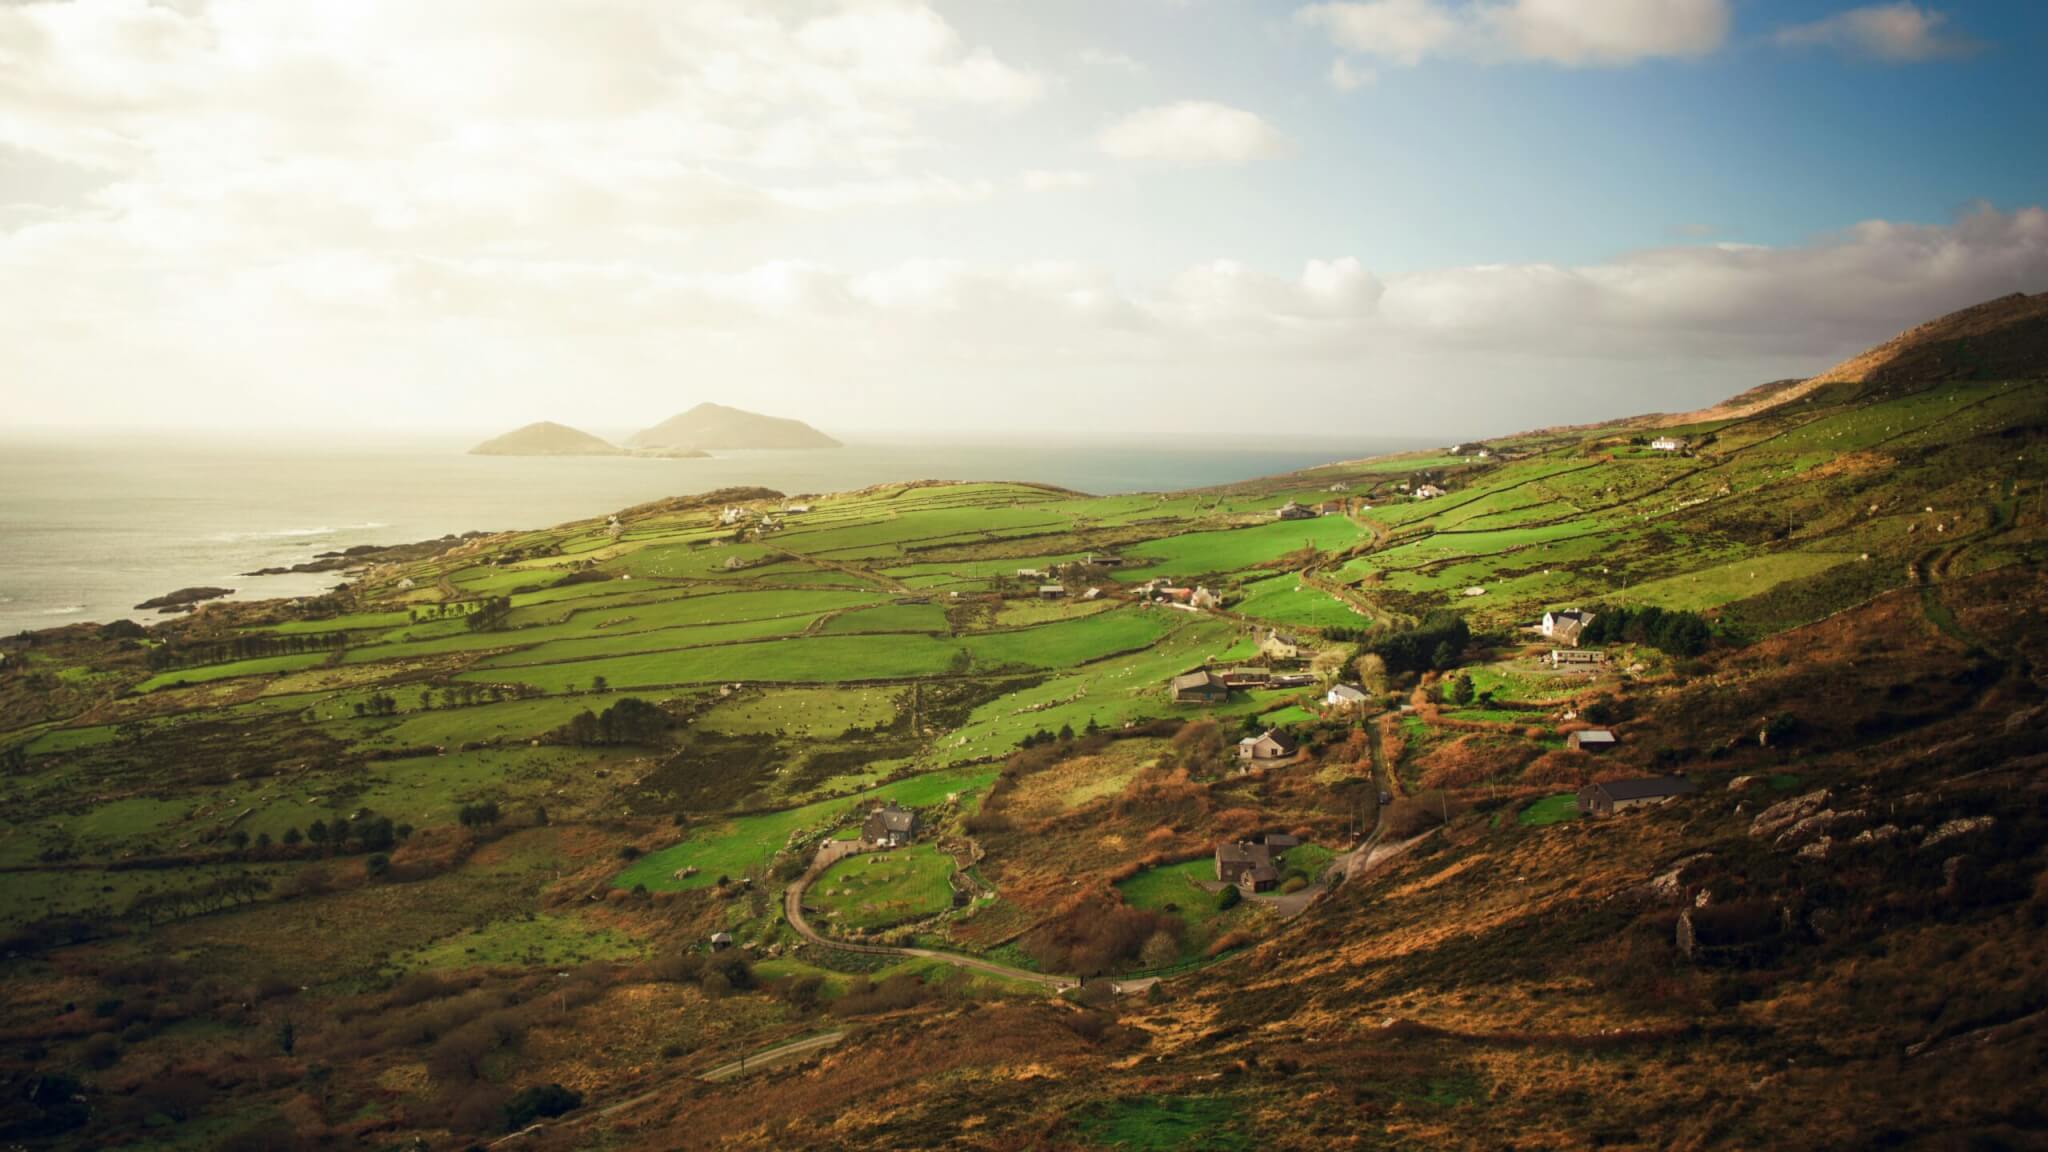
[730, 847]
[879, 889]
[1549, 810]
[1165, 1124]
[541, 940]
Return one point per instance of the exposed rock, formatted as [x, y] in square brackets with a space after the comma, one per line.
[1818, 849]
[1958, 827]
[1668, 886]
[1880, 833]
[1742, 782]
[1784, 814]
[183, 599]
[1820, 822]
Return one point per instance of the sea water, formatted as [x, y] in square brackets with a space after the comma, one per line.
[92, 525]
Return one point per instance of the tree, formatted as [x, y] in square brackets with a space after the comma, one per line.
[317, 832]
[291, 836]
[239, 838]
[1228, 898]
[1372, 673]
[1461, 690]
[599, 683]
[1445, 656]
[287, 1036]
[1066, 732]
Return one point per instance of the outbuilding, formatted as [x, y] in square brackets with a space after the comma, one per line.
[1612, 796]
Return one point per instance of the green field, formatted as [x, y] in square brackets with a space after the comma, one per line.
[880, 889]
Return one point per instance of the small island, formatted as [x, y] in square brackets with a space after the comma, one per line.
[715, 427]
[547, 438]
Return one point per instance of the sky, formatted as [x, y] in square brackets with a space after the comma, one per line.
[1190, 218]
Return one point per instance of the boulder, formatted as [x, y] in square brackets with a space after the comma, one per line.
[1961, 826]
[1773, 821]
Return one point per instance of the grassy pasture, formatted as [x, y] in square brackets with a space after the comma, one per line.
[1284, 599]
[730, 847]
[1237, 549]
[879, 889]
[532, 941]
[889, 618]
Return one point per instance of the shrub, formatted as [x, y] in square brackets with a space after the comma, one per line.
[1228, 898]
[542, 1102]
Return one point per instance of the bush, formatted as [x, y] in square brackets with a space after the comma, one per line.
[1228, 898]
[543, 1102]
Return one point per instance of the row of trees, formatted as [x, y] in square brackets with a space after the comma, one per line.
[252, 646]
[630, 721]
[1678, 632]
[490, 615]
[1438, 642]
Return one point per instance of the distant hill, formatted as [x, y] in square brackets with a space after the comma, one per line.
[546, 438]
[716, 426]
[2002, 339]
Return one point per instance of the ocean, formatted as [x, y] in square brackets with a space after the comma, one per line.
[92, 525]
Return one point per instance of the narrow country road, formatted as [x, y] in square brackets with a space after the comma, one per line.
[772, 1056]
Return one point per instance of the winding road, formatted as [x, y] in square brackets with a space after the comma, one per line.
[793, 910]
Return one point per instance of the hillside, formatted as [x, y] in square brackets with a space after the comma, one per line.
[545, 438]
[2002, 339]
[371, 868]
[716, 427]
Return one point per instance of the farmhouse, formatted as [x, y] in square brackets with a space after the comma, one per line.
[796, 509]
[1345, 696]
[1565, 627]
[1236, 858]
[1590, 740]
[1294, 511]
[889, 827]
[1246, 677]
[1340, 486]
[1051, 591]
[1202, 687]
[1576, 658]
[1427, 492]
[1667, 444]
[1265, 748]
[1277, 646]
[1613, 796]
[1333, 508]
[1203, 598]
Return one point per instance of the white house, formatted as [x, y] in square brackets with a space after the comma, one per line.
[1565, 627]
[1427, 492]
[1345, 696]
[1667, 444]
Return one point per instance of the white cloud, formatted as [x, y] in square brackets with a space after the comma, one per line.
[1396, 31]
[1194, 132]
[1570, 33]
[1112, 61]
[886, 192]
[1346, 76]
[1055, 180]
[1900, 32]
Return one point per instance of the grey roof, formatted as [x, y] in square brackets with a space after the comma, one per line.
[1594, 736]
[1244, 852]
[1647, 788]
[1196, 680]
[1347, 692]
[894, 819]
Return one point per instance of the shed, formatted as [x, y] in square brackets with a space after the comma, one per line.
[1611, 796]
[1590, 740]
[1203, 687]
